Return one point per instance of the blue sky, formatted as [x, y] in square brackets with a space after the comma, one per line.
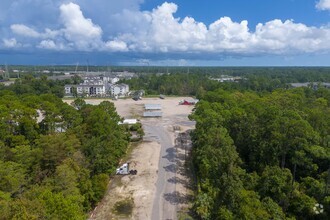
[154, 32]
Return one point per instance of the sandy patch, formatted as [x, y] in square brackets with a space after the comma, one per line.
[140, 187]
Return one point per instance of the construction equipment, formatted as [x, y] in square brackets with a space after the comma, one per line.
[124, 170]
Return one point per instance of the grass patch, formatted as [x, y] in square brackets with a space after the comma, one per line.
[124, 207]
[131, 147]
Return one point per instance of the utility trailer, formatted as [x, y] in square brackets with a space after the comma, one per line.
[124, 170]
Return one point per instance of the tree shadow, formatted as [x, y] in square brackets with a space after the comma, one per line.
[176, 198]
[170, 156]
[185, 182]
[170, 168]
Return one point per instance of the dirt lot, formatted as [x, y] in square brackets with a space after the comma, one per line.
[147, 190]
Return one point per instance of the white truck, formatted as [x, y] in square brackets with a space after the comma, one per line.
[124, 170]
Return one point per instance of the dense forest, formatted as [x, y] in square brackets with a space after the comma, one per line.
[197, 82]
[290, 74]
[262, 155]
[28, 84]
[172, 84]
[55, 159]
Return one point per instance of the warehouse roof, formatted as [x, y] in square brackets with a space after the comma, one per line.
[152, 106]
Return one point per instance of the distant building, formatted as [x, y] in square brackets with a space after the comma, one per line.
[149, 114]
[226, 78]
[113, 80]
[150, 107]
[119, 90]
[92, 86]
[97, 86]
[313, 85]
[125, 75]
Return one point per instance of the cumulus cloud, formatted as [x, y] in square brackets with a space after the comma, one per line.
[79, 30]
[48, 44]
[127, 29]
[287, 36]
[116, 46]
[24, 30]
[323, 5]
[11, 43]
[52, 45]
[162, 32]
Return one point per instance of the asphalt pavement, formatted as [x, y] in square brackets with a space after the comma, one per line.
[164, 206]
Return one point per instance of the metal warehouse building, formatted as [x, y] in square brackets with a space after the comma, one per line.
[153, 114]
[152, 107]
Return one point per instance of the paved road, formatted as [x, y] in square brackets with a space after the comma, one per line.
[164, 206]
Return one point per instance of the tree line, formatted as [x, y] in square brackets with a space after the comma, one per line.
[199, 79]
[29, 84]
[262, 155]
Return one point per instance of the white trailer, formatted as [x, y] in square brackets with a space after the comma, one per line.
[124, 170]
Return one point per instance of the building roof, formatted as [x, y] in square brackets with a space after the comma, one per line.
[119, 85]
[152, 114]
[89, 86]
[152, 106]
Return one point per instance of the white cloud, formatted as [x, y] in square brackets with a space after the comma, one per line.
[162, 32]
[24, 30]
[323, 5]
[11, 43]
[127, 29]
[51, 45]
[79, 30]
[48, 44]
[76, 25]
[116, 46]
[289, 37]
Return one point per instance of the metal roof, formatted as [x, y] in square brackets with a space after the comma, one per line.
[152, 114]
[152, 106]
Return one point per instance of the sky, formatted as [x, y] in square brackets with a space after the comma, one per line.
[166, 33]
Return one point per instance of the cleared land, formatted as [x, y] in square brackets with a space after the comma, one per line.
[161, 187]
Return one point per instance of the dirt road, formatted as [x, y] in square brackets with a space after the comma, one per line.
[158, 187]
